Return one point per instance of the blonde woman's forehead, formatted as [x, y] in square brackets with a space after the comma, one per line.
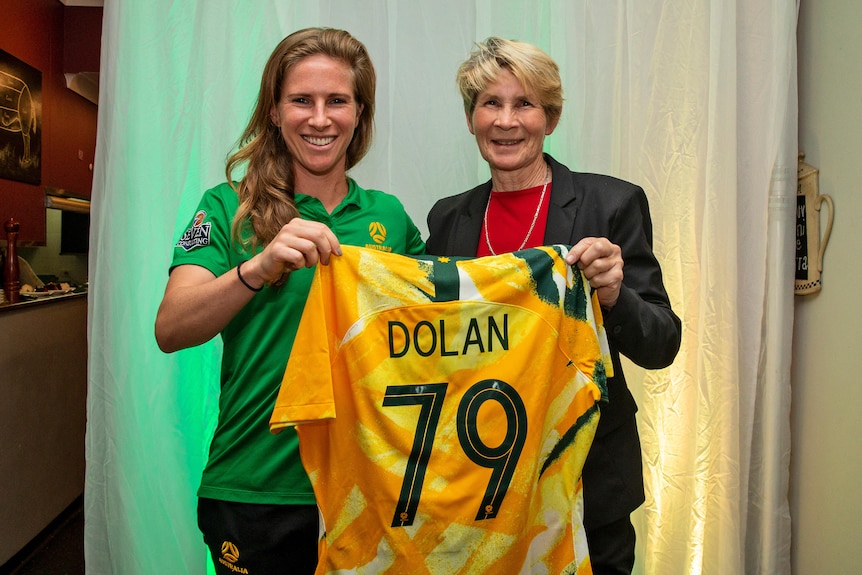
[507, 84]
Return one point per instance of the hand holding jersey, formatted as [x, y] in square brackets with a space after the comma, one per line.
[299, 244]
[602, 264]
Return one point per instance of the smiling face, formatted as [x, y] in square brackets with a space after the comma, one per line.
[317, 115]
[510, 126]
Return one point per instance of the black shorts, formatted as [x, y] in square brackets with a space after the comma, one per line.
[260, 539]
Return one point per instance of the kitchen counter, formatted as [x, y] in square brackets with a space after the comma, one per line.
[43, 382]
[30, 302]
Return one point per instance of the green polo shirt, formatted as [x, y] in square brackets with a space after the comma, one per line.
[247, 463]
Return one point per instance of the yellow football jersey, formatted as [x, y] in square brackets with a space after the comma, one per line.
[444, 408]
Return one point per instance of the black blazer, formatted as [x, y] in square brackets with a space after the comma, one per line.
[642, 326]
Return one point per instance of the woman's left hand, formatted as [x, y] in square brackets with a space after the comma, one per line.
[602, 264]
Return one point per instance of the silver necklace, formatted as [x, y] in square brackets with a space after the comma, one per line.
[532, 224]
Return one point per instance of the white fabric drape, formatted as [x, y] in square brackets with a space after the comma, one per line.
[695, 100]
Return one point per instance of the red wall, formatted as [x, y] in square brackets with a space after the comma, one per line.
[51, 37]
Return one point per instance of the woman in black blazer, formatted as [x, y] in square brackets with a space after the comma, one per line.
[513, 98]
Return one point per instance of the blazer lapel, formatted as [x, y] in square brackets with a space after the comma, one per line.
[464, 238]
[563, 207]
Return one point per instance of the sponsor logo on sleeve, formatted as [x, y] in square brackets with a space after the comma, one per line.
[197, 235]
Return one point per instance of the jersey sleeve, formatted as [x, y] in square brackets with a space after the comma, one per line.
[303, 397]
[206, 241]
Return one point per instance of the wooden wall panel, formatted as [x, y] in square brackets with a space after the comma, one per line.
[34, 32]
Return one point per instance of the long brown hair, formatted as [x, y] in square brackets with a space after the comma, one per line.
[266, 192]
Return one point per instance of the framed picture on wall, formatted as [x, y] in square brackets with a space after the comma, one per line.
[20, 120]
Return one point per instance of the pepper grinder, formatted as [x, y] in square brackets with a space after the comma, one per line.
[11, 284]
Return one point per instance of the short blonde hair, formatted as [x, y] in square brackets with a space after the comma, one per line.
[529, 64]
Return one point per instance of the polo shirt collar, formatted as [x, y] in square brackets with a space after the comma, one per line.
[353, 198]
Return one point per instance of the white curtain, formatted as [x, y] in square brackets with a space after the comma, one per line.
[695, 100]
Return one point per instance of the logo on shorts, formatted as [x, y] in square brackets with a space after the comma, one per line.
[197, 235]
[229, 557]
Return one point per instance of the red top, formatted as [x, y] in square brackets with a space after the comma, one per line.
[509, 216]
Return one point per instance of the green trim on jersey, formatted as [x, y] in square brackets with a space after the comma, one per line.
[247, 463]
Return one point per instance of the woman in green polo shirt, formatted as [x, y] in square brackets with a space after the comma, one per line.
[243, 268]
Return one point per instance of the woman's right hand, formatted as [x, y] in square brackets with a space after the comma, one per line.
[197, 305]
[299, 244]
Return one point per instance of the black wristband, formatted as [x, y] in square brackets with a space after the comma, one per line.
[245, 283]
